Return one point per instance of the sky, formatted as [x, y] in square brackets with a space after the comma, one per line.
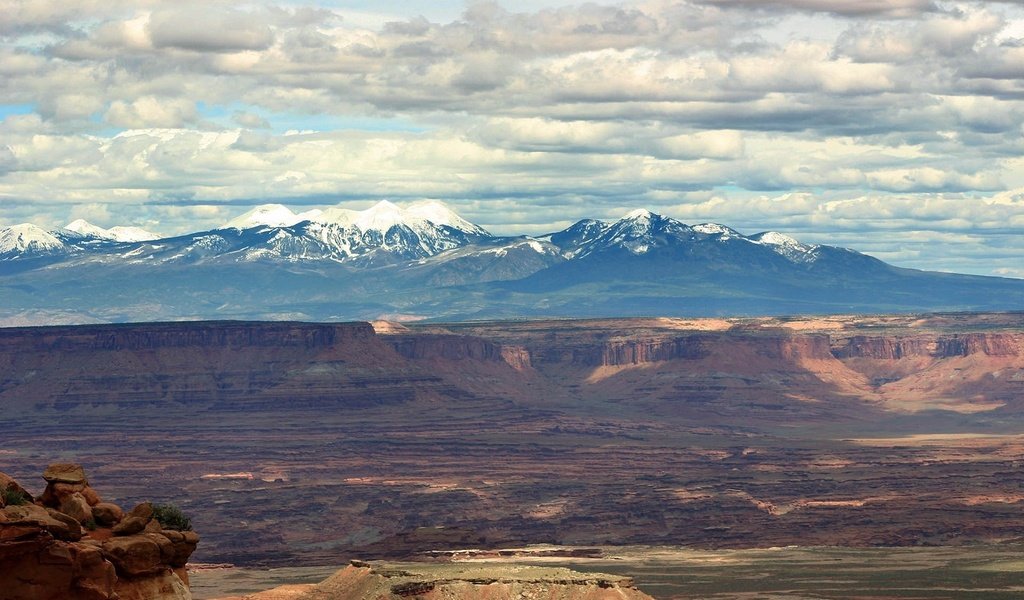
[892, 127]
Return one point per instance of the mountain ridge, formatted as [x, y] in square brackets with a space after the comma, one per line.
[423, 261]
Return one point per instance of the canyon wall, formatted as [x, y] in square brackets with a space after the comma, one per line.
[295, 441]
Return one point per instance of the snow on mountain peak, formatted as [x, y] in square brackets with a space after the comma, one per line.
[27, 237]
[774, 238]
[270, 215]
[384, 215]
[715, 229]
[122, 233]
[439, 214]
[786, 246]
[117, 233]
[638, 214]
[380, 217]
[86, 228]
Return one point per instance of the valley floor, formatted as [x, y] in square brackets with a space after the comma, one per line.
[985, 572]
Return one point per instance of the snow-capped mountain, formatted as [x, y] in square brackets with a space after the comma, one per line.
[118, 233]
[270, 215]
[641, 231]
[637, 232]
[27, 240]
[786, 246]
[385, 233]
[425, 260]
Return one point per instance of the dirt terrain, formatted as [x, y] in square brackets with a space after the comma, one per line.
[292, 443]
[985, 572]
[455, 581]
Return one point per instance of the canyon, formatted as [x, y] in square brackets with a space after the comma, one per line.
[313, 443]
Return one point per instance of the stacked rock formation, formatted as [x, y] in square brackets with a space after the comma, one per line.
[68, 544]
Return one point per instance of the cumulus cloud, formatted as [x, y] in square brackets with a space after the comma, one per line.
[203, 28]
[250, 120]
[151, 111]
[888, 8]
[912, 110]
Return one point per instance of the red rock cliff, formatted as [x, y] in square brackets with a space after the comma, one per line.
[934, 346]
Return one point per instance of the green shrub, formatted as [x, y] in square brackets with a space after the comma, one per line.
[13, 497]
[90, 524]
[171, 517]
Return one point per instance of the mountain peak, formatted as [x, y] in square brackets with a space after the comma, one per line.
[381, 216]
[85, 228]
[774, 238]
[118, 233]
[121, 233]
[639, 214]
[26, 237]
[384, 215]
[270, 215]
[716, 229]
[438, 213]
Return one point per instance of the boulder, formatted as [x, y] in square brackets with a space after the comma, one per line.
[41, 557]
[74, 528]
[184, 543]
[143, 511]
[165, 545]
[8, 486]
[56, 493]
[64, 473]
[106, 514]
[76, 507]
[31, 515]
[135, 555]
[91, 496]
[129, 526]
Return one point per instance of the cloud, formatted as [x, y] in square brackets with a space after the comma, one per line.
[205, 29]
[250, 120]
[853, 8]
[151, 111]
[523, 118]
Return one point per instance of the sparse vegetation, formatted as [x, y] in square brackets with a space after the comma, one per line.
[14, 497]
[90, 524]
[170, 517]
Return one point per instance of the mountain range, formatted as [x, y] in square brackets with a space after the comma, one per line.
[425, 261]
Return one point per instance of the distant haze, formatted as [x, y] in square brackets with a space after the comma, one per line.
[893, 127]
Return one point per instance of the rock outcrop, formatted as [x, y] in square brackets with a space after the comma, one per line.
[452, 581]
[930, 346]
[70, 545]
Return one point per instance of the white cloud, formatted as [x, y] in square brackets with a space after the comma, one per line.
[203, 28]
[526, 119]
[151, 111]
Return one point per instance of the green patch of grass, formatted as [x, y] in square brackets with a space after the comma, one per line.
[14, 497]
[171, 517]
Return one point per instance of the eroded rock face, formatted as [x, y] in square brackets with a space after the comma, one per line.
[46, 555]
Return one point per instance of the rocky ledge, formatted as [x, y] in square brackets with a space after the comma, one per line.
[450, 581]
[67, 544]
